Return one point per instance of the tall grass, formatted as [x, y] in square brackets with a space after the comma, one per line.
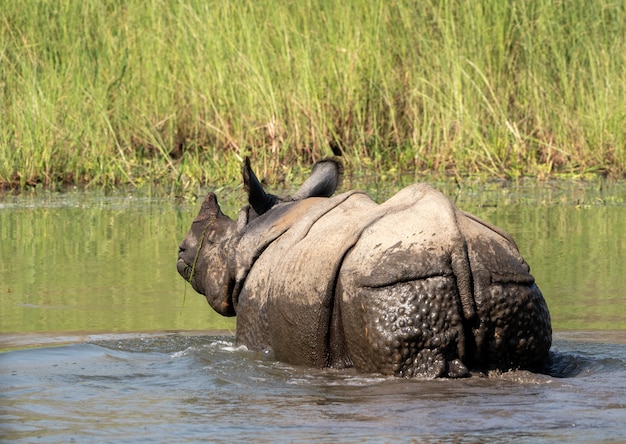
[127, 92]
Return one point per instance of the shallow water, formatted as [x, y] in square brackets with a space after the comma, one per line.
[181, 388]
[106, 343]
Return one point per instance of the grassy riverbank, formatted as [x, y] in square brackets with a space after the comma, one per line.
[132, 92]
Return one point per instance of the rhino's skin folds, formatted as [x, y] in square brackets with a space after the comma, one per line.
[410, 287]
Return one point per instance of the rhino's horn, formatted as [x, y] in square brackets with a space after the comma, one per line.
[259, 200]
[210, 209]
[323, 181]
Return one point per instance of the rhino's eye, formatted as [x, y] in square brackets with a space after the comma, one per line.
[208, 234]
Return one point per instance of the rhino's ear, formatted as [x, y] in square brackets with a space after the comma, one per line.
[259, 200]
[323, 181]
[210, 209]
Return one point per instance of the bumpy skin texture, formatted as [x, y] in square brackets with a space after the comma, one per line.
[411, 287]
[402, 294]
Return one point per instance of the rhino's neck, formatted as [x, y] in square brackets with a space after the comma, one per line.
[252, 239]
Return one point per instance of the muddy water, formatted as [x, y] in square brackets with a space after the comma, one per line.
[177, 388]
[105, 343]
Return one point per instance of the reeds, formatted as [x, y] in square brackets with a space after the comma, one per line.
[129, 92]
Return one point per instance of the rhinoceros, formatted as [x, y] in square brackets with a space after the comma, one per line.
[409, 287]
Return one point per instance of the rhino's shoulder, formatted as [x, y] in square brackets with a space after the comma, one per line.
[283, 221]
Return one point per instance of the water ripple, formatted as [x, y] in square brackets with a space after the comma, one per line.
[145, 387]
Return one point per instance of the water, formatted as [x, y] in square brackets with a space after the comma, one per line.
[104, 342]
[180, 388]
[85, 262]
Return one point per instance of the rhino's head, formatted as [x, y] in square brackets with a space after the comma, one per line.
[202, 256]
[206, 255]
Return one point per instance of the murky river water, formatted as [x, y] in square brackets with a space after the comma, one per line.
[104, 343]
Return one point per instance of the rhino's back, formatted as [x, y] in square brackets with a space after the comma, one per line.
[428, 288]
[406, 241]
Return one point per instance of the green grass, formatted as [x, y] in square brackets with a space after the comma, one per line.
[108, 93]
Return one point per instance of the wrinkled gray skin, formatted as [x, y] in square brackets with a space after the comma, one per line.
[410, 287]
